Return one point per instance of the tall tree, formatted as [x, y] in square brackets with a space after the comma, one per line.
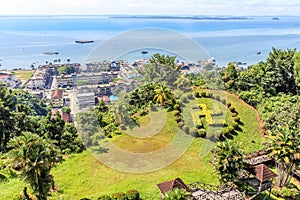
[284, 147]
[34, 157]
[163, 94]
[228, 160]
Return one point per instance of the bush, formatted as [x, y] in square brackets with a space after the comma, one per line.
[186, 129]
[193, 132]
[203, 94]
[119, 196]
[178, 118]
[181, 124]
[133, 195]
[176, 106]
[201, 115]
[202, 133]
[234, 114]
[232, 109]
[235, 125]
[200, 125]
[218, 98]
[236, 119]
[287, 193]
[228, 105]
[104, 197]
[197, 94]
[176, 112]
[122, 127]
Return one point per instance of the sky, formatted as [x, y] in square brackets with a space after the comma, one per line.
[150, 7]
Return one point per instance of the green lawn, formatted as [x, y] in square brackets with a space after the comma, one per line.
[81, 175]
[24, 75]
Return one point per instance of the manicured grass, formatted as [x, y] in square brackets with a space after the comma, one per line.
[81, 175]
[24, 75]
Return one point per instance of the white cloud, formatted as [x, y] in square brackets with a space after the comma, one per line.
[167, 7]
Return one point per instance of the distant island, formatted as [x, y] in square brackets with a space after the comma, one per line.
[275, 18]
[180, 17]
[84, 41]
[51, 53]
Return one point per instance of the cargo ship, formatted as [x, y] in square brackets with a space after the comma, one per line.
[84, 41]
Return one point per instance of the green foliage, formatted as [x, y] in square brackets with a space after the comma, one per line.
[186, 129]
[34, 157]
[17, 113]
[66, 109]
[228, 160]
[163, 94]
[119, 196]
[286, 193]
[66, 70]
[194, 132]
[236, 118]
[180, 124]
[202, 133]
[284, 147]
[229, 76]
[176, 107]
[133, 195]
[104, 197]
[176, 194]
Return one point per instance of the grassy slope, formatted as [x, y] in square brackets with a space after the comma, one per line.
[83, 176]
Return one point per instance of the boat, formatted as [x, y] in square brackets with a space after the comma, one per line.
[84, 41]
[144, 52]
[275, 18]
[51, 53]
[258, 53]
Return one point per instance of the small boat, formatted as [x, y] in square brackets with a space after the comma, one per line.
[258, 53]
[84, 41]
[144, 52]
[275, 18]
[51, 53]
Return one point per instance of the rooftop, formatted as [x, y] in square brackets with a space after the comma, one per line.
[57, 94]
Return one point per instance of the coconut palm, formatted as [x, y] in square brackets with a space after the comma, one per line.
[34, 157]
[228, 160]
[163, 94]
[284, 147]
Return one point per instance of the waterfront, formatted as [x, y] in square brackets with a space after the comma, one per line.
[24, 39]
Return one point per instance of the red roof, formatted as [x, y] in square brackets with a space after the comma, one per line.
[263, 173]
[4, 76]
[172, 184]
[65, 116]
[104, 99]
[57, 94]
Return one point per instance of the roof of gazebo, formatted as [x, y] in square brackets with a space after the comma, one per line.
[263, 173]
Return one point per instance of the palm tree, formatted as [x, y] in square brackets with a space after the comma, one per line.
[177, 194]
[284, 147]
[228, 160]
[163, 94]
[34, 157]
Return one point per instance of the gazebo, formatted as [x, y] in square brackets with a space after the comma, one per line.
[172, 184]
[261, 179]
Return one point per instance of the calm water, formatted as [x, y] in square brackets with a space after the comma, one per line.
[24, 39]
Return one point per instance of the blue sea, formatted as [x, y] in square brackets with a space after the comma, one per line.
[24, 39]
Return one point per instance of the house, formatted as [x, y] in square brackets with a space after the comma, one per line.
[171, 185]
[86, 99]
[57, 99]
[105, 99]
[8, 79]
